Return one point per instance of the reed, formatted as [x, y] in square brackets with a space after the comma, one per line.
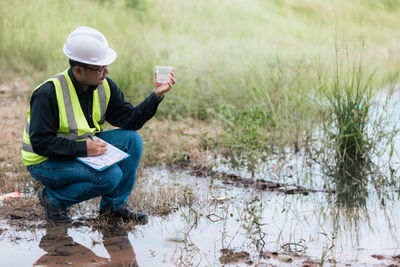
[355, 138]
[349, 96]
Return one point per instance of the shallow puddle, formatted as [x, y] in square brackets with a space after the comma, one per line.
[226, 221]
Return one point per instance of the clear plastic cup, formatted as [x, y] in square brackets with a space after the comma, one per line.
[163, 73]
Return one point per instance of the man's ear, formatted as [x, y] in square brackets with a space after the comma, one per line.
[77, 70]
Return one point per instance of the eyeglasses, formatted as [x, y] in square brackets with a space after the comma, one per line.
[100, 70]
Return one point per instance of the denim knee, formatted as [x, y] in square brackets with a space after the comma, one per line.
[136, 144]
[110, 179]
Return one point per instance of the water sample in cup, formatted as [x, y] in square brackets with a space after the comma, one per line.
[163, 73]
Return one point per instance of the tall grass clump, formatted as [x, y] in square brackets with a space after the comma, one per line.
[349, 98]
[355, 139]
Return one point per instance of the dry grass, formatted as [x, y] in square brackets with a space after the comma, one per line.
[156, 198]
[186, 143]
[13, 105]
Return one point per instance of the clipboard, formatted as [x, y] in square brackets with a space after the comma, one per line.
[110, 157]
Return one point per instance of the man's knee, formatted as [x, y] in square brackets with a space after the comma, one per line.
[136, 144]
[111, 179]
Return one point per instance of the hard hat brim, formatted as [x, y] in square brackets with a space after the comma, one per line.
[107, 60]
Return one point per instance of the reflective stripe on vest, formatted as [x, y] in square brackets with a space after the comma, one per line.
[72, 121]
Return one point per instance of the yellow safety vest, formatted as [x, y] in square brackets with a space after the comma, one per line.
[73, 124]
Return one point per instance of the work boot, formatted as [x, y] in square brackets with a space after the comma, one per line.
[53, 213]
[126, 213]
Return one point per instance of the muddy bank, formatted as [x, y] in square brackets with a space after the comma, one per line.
[257, 184]
[26, 212]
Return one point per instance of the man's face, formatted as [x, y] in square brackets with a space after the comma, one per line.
[94, 75]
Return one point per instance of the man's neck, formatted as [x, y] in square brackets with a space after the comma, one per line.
[84, 87]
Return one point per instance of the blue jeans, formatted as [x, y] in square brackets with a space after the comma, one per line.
[71, 182]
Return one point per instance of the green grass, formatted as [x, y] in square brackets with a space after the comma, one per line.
[221, 50]
[347, 135]
[350, 96]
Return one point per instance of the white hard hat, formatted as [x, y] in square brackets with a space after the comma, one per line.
[88, 45]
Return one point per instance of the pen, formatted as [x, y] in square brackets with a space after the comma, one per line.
[91, 138]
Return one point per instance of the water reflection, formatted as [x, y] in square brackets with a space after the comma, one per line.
[318, 225]
[63, 250]
[350, 184]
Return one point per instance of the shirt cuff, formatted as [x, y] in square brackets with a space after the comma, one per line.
[81, 149]
[159, 98]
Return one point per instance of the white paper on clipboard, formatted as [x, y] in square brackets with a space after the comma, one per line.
[110, 157]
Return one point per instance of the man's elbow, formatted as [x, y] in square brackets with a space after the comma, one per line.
[39, 146]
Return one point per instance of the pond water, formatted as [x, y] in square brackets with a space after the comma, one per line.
[226, 217]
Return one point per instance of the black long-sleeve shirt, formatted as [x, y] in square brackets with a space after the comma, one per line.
[45, 118]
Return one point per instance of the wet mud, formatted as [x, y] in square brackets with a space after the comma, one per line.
[257, 184]
[23, 213]
[229, 256]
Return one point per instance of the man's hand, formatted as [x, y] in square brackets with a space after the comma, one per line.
[95, 147]
[162, 88]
